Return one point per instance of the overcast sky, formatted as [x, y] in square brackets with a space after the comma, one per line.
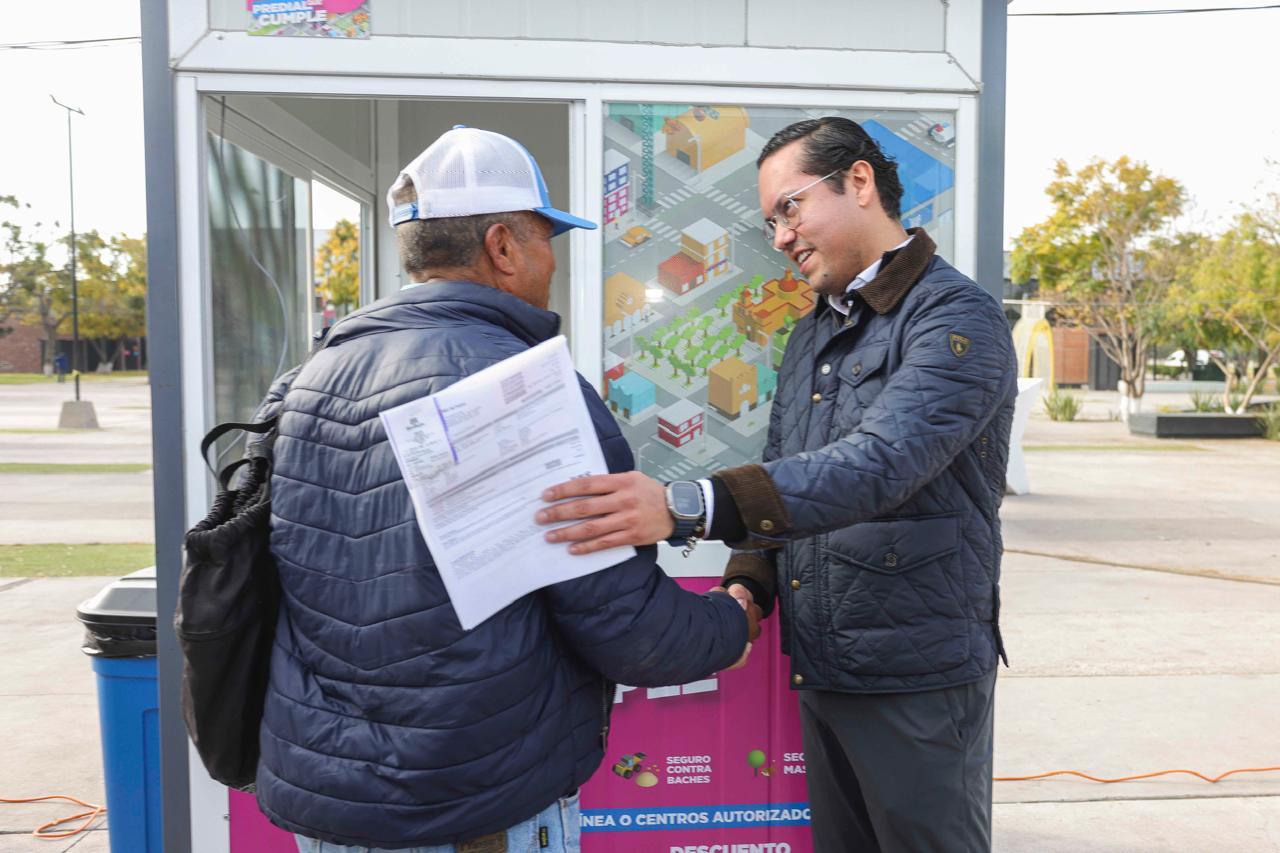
[1193, 95]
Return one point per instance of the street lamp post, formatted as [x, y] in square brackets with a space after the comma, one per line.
[77, 414]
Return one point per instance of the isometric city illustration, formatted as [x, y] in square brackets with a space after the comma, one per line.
[698, 308]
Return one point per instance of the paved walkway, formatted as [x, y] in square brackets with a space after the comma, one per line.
[76, 508]
[1116, 670]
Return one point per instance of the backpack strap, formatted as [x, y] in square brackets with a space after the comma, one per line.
[258, 428]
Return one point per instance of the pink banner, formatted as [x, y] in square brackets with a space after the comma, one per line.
[715, 766]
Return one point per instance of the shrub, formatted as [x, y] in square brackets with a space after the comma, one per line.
[1205, 402]
[1061, 405]
[1270, 419]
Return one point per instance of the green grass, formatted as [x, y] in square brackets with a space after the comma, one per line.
[72, 468]
[64, 561]
[39, 378]
[1124, 448]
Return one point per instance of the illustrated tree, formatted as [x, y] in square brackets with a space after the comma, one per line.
[338, 267]
[704, 361]
[1231, 300]
[737, 342]
[688, 369]
[1094, 257]
[757, 286]
[655, 351]
[724, 301]
[673, 361]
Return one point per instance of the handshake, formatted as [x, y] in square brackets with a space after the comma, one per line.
[744, 597]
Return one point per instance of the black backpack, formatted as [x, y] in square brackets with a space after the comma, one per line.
[228, 601]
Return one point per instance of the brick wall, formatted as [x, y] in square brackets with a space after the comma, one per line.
[20, 350]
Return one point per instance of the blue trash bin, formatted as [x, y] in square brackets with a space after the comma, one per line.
[120, 637]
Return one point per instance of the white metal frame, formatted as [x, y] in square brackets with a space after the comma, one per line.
[586, 149]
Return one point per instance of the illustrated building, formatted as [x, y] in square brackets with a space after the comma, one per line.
[623, 302]
[731, 387]
[708, 244]
[681, 423]
[766, 383]
[703, 136]
[781, 298]
[631, 393]
[614, 368]
[617, 185]
[680, 273]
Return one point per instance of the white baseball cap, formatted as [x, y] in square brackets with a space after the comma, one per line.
[467, 172]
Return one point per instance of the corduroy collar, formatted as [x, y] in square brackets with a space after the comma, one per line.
[899, 275]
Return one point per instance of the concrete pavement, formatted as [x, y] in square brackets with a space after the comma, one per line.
[76, 508]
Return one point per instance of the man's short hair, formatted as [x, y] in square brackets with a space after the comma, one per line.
[454, 241]
[832, 143]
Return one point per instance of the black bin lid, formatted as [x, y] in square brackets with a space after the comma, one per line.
[120, 621]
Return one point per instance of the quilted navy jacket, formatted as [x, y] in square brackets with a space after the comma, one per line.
[386, 724]
[876, 508]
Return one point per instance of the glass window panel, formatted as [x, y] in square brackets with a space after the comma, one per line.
[335, 223]
[697, 307]
[258, 267]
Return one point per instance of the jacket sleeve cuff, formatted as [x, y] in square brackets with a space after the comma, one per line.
[756, 573]
[759, 505]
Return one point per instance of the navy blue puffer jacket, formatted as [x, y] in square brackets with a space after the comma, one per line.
[386, 724]
[883, 475]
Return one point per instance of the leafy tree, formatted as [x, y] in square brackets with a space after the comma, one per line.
[1231, 300]
[1096, 257]
[32, 289]
[338, 267]
[113, 292]
[737, 343]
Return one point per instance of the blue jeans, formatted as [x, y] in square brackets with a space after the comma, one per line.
[558, 824]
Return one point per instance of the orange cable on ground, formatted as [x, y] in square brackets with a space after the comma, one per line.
[1135, 778]
[95, 812]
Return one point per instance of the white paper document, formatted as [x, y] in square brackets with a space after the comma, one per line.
[476, 458]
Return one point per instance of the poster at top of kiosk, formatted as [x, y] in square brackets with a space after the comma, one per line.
[343, 19]
[698, 308]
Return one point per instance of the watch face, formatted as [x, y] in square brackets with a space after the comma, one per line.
[686, 499]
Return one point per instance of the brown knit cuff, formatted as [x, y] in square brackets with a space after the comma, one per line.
[756, 567]
[758, 503]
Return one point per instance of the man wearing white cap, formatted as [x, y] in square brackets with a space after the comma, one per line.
[387, 726]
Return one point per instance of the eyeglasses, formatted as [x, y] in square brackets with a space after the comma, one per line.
[787, 212]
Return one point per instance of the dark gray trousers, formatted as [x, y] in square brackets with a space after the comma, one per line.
[900, 772]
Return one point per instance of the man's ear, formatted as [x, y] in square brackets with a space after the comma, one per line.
[861, 181]
[499, 248]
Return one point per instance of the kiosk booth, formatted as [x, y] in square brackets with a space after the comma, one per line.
[272, 139]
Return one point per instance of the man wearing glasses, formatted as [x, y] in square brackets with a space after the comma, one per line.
[873, 520]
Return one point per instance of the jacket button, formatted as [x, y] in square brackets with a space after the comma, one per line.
[857, 369]
[891, 559]
[797, 679]
[795, 584]
[817, 398]
[826, 368]
[984, 439]
[766, 525]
